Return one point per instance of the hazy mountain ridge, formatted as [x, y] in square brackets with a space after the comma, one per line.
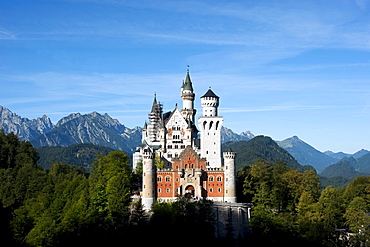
[349, 167]
[305, 154]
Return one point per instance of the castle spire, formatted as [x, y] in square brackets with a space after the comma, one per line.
[188, 85]
[154, 103]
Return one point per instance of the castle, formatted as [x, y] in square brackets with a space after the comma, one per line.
[176, 161]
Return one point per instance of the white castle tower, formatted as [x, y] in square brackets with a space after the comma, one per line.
[229, 168]
[187, 96]
[149, 177]
[210, 129]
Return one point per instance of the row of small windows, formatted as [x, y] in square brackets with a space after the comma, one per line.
[176, 128]
[175, 146]
[168, 179]
[211, 179]
[168, 190]
[218, 190]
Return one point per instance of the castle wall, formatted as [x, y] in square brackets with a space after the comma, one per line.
[232, 219]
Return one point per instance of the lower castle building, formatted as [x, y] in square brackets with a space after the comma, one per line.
[177, 161]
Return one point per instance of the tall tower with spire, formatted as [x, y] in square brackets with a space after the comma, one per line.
[155, 117]
[210, 129]
[187, 96]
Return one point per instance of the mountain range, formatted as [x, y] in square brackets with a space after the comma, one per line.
[101, 129]
[76, 128]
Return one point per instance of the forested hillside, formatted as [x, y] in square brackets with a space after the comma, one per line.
[76, 154]
[67, 207]
[248, 152]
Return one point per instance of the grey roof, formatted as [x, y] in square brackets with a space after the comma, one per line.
[188, 85]
[210, 93]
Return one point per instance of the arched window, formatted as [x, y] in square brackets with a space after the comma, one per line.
[210, 125]
[217, 124]
[168, 179]
[204, 124]
[210, 178]
[219, 189]
[159, 179]
[219, 179]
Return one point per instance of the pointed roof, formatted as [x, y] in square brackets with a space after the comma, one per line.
[154, 103]
[210, 93]
[188, 85]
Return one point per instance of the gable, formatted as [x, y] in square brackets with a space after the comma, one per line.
[176, 120]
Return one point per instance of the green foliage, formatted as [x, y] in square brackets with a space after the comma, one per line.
[14, 152]
[76, 154]
[66, 206]
[278, 186]
[184, 215]
[158, 162]
[110, 188]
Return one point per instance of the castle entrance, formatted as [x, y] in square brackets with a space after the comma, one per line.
[189, 191]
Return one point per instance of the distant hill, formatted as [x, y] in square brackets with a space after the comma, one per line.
[349, 167]
[248, 152]
[338, 156]
[341, 155]
[76, 154]
[306, 154]
[344, 168]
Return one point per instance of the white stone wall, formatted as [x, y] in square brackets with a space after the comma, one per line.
[149, 180]
[230, 183]
[210, 143]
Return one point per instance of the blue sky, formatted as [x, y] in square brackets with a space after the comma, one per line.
[281, 68]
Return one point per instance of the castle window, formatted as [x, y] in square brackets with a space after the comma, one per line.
[219, 179]
[159, 179]
[167, 190]
[210, 179]
[168, 179]
[211, 190]
[217, 124]
[219, 189]
[159, 190]
[169, 155]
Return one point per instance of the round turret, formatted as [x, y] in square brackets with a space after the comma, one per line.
[229, 168]
[209, 103]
